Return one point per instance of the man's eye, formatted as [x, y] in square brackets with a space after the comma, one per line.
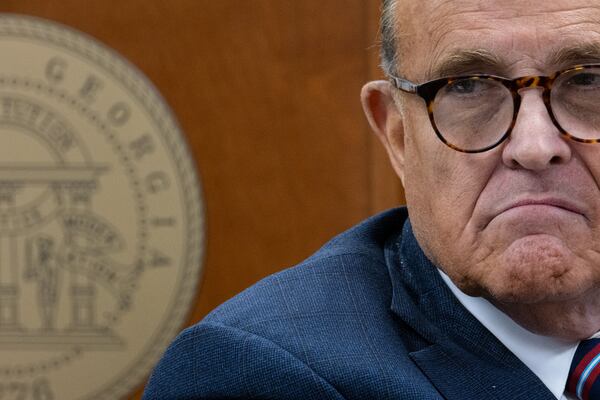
[465, 87]
[588, 80]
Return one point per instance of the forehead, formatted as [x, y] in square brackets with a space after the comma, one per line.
[524, 36]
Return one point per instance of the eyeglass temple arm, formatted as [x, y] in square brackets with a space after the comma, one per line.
[403, 84]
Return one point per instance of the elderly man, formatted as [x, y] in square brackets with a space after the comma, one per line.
[488, 287]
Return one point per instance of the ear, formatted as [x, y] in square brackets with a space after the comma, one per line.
[386, 121]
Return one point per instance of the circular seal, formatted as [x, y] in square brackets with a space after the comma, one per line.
[101, 223]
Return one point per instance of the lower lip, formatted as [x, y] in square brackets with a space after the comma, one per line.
[539, 211]
[534, 219]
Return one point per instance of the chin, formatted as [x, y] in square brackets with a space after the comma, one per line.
[534, 271]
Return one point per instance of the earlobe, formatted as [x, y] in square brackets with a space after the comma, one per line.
[386, 121]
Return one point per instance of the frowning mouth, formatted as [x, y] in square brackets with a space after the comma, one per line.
[530, 209]
[550, 202]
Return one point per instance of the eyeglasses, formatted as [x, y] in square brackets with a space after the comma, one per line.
[475, 113]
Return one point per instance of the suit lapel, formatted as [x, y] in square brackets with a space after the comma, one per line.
[460, 376]
[462, 359]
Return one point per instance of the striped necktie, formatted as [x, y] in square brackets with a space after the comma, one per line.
[583, 376]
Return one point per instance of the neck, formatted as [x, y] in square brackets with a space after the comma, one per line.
[576, 319]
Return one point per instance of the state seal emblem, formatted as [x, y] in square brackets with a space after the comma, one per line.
[101, 224]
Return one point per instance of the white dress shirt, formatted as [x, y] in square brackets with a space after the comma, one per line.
[548, 358]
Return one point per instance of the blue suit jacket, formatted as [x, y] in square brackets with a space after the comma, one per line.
[366, 317]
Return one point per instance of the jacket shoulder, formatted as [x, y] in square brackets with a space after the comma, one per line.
[324, 326]
[351, 265]
[212, 361]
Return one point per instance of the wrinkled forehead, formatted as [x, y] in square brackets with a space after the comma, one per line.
[507, 37]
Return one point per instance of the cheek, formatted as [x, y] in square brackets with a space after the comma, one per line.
[442, 190]
[443, 185]
[432, 197]
[428, 161]
[589, 156]
[423, 180]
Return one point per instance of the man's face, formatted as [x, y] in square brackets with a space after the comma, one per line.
[519, 223]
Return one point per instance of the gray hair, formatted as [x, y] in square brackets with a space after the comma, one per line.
[389, 55]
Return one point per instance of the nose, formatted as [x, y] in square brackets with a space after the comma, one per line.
[535, 143]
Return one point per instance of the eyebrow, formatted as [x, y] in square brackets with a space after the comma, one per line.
[467, 61]
[577, 54]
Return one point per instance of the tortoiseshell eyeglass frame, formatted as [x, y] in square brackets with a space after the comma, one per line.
[429, 90]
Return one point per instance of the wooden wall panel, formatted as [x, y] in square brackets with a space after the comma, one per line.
[267, 92]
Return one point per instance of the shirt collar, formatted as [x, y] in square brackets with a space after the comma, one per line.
[548, 358]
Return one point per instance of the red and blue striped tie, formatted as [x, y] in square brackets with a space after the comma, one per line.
[583, 379]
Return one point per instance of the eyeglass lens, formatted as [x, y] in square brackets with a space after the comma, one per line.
[474, 113]
[575, 101]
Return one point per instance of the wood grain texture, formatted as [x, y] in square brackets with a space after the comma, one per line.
[267, 93]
